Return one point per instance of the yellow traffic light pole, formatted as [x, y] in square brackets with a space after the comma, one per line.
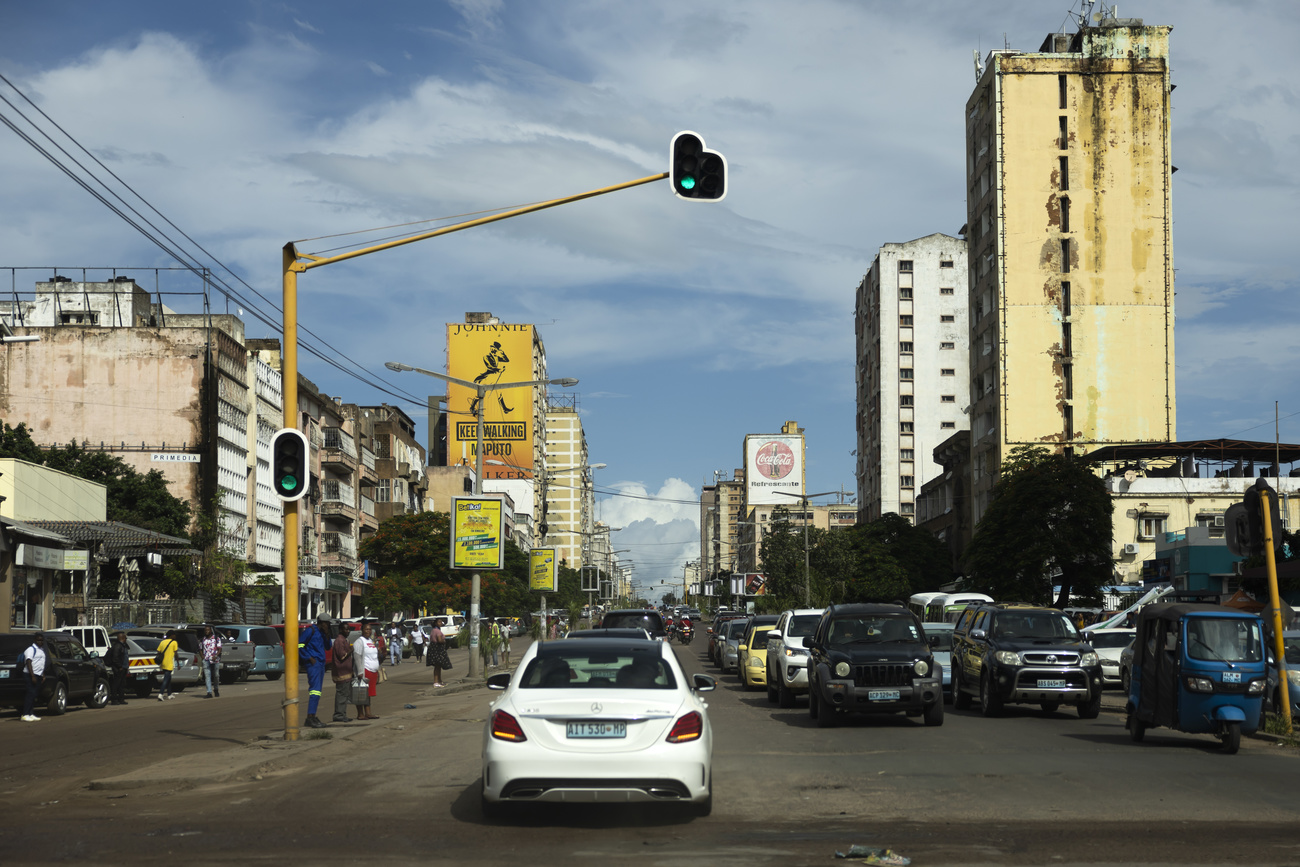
[293, 264]
[1279, 646]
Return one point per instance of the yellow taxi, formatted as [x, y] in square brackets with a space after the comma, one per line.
[751, 659]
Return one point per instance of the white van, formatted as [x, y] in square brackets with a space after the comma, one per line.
[93, 638]
[450, 624]
[947, 607]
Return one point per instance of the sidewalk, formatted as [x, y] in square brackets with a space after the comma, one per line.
[271, 751]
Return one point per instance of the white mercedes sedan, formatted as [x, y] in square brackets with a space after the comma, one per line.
[602, 720]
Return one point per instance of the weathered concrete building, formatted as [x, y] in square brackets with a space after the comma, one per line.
[1070, 256]
[570, 504]
[911, 367]
[721, 511]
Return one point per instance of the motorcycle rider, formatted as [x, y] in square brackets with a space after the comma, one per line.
[686, 631]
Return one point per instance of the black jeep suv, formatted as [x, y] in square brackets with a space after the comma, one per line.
[871, 659]
[1023, 654]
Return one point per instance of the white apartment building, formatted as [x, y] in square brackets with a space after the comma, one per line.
[912, 368]
[567, 483]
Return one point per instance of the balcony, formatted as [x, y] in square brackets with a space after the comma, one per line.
[338, 501]
[338, 552]
[339, 452]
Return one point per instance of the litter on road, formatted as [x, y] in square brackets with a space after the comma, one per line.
[874, 855]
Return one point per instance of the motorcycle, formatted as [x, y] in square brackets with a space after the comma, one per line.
[685, 634]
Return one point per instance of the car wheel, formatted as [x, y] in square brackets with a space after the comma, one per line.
[813, 692]
[1091, 708]
[99, 696]
[243, 676]
[1124, 681]
[784, 697]
[825, 713]
[274, 675]
[990, 701]
[1050, 706]
[1137, 729]
[960, 698]
[934, 714]
[771, 689]
[143, 688]
[59, 700]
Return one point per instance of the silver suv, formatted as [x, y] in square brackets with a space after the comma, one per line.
[787, 660]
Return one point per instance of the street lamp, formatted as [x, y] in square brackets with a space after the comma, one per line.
[807, 519]
[481, 389]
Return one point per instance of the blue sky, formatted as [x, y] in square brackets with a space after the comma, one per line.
[250, 124]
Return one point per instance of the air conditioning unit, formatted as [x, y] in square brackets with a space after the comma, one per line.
[1218, 520]
[1130, 547]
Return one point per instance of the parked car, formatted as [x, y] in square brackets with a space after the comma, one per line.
[939, 637]
[640, 618]
[871, 659]
[72, 673]
[787, 658]
[93, 638]
[605, 720]
[717, 633]
[1023, 654]
[264, 643]
[236, 659]
[1126, 667]
[1291, 646]
[186, 672]
[751, 659]
[728, 652]
[144, 671]
[1109, 644]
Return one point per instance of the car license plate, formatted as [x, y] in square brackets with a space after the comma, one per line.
[1051, 684]
[4, 673]
[596, 730]
[882, 695]
[142, 677]
[1232, 677]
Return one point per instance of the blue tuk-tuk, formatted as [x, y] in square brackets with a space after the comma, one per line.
[1197, 669]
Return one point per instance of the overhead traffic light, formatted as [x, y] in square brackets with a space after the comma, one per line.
[696, 172]
[289, 451]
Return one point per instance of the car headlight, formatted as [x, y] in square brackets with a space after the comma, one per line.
[1255, 687]
[921, 667]
[755, 662]
[842, 669]
[1199, 684]
[1089, 658]
[795, 654]
[1007, 657]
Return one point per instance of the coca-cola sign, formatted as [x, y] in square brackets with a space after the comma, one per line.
[775, 460]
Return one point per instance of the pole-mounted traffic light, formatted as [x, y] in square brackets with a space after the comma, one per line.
[289, 451]
[696, 172]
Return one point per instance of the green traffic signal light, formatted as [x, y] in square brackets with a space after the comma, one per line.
[696, 172]
[686, 182]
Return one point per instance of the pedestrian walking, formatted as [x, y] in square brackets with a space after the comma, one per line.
[417, 642]
[312, 644]
[365, 667]
[119, 661]
[494, 634]
[395, 643]
[210, 644]
[167, 651]
[505, 644]
[33, 667]
[436, 655]
[341, 657]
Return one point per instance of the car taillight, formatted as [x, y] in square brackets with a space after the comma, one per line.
[688, 728]
[506, 728]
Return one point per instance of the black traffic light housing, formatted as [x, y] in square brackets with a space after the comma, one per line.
[696, 173]
[289, 472]
[1262, 489]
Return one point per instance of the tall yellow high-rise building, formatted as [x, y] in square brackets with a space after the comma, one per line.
[1069, 246]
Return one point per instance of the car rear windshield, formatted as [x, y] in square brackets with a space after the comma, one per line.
[620, 669]
[1109, 639]
[649, 621]
[263, 637]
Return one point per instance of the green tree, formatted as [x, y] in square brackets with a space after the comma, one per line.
[16, 442]
[922, 557]
[1049, 521]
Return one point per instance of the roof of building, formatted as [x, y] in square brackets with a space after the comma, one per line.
[118, 539]
[1220, 449]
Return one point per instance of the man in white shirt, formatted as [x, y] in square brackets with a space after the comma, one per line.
[417, 643]
[33, 668]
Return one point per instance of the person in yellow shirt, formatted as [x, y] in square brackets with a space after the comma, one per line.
[167, 649]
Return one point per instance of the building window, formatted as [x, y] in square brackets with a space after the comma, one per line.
[946, 345]
[947, 371]
[1060, 84]
[905, 347]
[1067, 380]
[906, 508]
[1065, 140]
[947, 425]
[905, 400]
[945, 263]
[947, 318]
[906, 481]
[1065, 255]
[1150, 526]
[905, 427]
[1067, 340]
[948, 398]
[905, 321]
[1065, 298]
[905, 266]
[906, 454]
[904, 373]
[945, 290]
[905, 292]
[1067, 413]
[1065, 215]
[88, 317]
[1065, 173]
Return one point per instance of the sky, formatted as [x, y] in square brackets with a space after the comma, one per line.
[250, 124]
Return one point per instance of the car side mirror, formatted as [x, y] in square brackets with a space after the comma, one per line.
[499, 681]
[742, 647]
[808, 642]
[94, 654]
[704, 682]
[978, 634]
[773, 634]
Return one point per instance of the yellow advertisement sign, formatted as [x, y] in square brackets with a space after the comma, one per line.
[491, 355]
[476, 527]
[541, 571]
